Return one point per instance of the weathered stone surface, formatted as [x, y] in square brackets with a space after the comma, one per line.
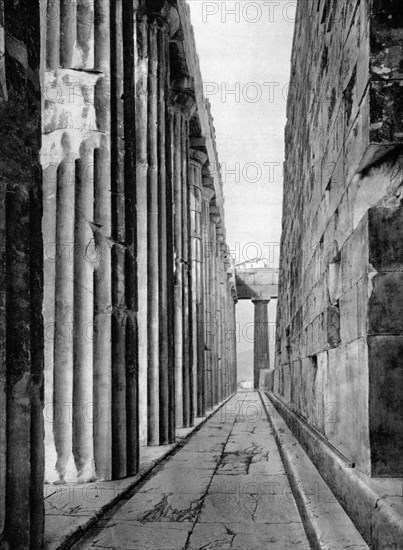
[249, 511]
[179, 480]
[248, 537]
[326, 523]
[341, 255]
[385, 356]
[137, 536]
[160, 507]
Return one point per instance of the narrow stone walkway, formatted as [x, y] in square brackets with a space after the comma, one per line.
[226, 488]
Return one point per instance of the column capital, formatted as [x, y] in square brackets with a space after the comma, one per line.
[260, 300]
[197, 157]
[207, 193]
[208, 181]
[165, 14]
[184, 102]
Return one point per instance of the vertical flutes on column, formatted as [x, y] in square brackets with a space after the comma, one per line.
[64, 314]
[141, 210]
[103, 314]
[152, 252]
[197, 160]
[68, 30]
[178, 221]
[188, 412]
[207, 195]
[164, 408]
[171, 297]
[103, 236]
[53, 34]
[83, 336]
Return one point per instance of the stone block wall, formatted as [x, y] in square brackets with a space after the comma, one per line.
[339, 360]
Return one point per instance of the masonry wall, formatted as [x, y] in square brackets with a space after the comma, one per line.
[339, 345]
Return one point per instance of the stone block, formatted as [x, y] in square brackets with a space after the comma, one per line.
[385, 354]
[347, 390]
[287, 383]
[349, 315]
[386, 238]
[385, 308]
[354, 256]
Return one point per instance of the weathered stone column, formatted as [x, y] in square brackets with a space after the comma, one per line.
[261, 358]
[197, 159]
[83, 333]
[178, 221]
[119, 418]
[220, 325]
[214, 322]
[102, 410]
[164, 229]
[141, 208]
[152, 239]
[129, 29]
[103, 314]
[188, 411]
[207, 195]
[170, 230]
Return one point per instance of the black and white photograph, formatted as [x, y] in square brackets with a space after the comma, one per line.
[201, 275]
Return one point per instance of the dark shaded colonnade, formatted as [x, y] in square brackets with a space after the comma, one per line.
[117, 315]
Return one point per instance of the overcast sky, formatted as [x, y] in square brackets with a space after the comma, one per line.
[244, 49]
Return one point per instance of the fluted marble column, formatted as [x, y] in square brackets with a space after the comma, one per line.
[214, 321]
[207, 195]
[261, 358]
[83, 336]
[141, 208]
[178, 313]
[197, 159]
[152, 241]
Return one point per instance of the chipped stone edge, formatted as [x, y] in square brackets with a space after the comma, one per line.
[384, 532]
[320, 532]
[71, 538]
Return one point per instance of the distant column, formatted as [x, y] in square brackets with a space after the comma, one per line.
[261, 358]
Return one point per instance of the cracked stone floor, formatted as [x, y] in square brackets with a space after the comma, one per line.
[226, 488]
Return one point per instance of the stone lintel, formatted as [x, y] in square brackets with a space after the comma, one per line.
[198, 142]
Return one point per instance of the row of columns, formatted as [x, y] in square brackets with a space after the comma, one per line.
[90, 292]
[127, 266]
[130, 220]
